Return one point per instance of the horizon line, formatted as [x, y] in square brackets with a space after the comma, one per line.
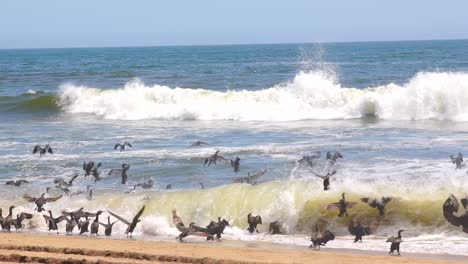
[237, 44]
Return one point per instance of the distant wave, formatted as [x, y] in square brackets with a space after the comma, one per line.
[311, 95]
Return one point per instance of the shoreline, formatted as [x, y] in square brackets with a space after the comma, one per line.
[45, 248]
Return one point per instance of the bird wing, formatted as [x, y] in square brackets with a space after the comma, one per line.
[393, 239]
[10, 183]
[61, 218]
[128, 144]
[29, 198]
[116, 146]
[352, 204]
[88, 214]
[49, 149]
[329, 155]
[123, 220]
[98, 165]
[139, 214]
[36, 149]
[25, 216]
[53, 199]
[333, 206]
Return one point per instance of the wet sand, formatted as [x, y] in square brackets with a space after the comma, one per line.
[43, 248]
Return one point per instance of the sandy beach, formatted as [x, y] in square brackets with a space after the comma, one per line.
[42, 248]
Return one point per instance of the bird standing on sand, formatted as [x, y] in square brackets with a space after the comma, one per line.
[71, 223]
[108, 226]
[342, 205]
[18, 222]
[395, 246]
[42, 150]
[131, 225]
[8, 220]
[41, 201]
[52, 222]
[198, 144]
[95, 224]
[122, 146]
[457, 160]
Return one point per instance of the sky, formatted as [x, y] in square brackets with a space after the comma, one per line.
[108, 23]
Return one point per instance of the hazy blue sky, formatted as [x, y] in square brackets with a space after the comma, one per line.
[85, 23]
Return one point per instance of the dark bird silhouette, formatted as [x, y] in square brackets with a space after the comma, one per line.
[275, 227]
[95, 224]
[177, 221]
[108, 226]
[342, 205]
[332, 158]
[235, 164]
[169, 186]
[63, 183]
[253, 221]
[91, 168]
[195, 230]
[450, 207]
[202, 185]
[379, 204]
[457, 160]
[319, 238]
[395, 246]
[83, 226]
[122, 172]
[250, 179]
[8, 220]
[18, 222]
[131, 225]
[71, 223]
[213, 158]
[16, 183]
[326, 179]
[42, 150]
[52, 222]
[198, 144]
[357, 229]
[41, 201]
[122, 146]
[217, 228]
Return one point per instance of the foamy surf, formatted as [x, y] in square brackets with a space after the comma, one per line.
[311, 95]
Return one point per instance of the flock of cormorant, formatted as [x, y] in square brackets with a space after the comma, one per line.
[84, 222]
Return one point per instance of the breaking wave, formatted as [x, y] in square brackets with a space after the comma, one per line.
[311, 95]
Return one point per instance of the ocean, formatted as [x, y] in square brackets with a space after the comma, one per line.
[395, 110]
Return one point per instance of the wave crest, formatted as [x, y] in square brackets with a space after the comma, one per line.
[311, 95]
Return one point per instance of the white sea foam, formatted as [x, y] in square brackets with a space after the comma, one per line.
[311, 95]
